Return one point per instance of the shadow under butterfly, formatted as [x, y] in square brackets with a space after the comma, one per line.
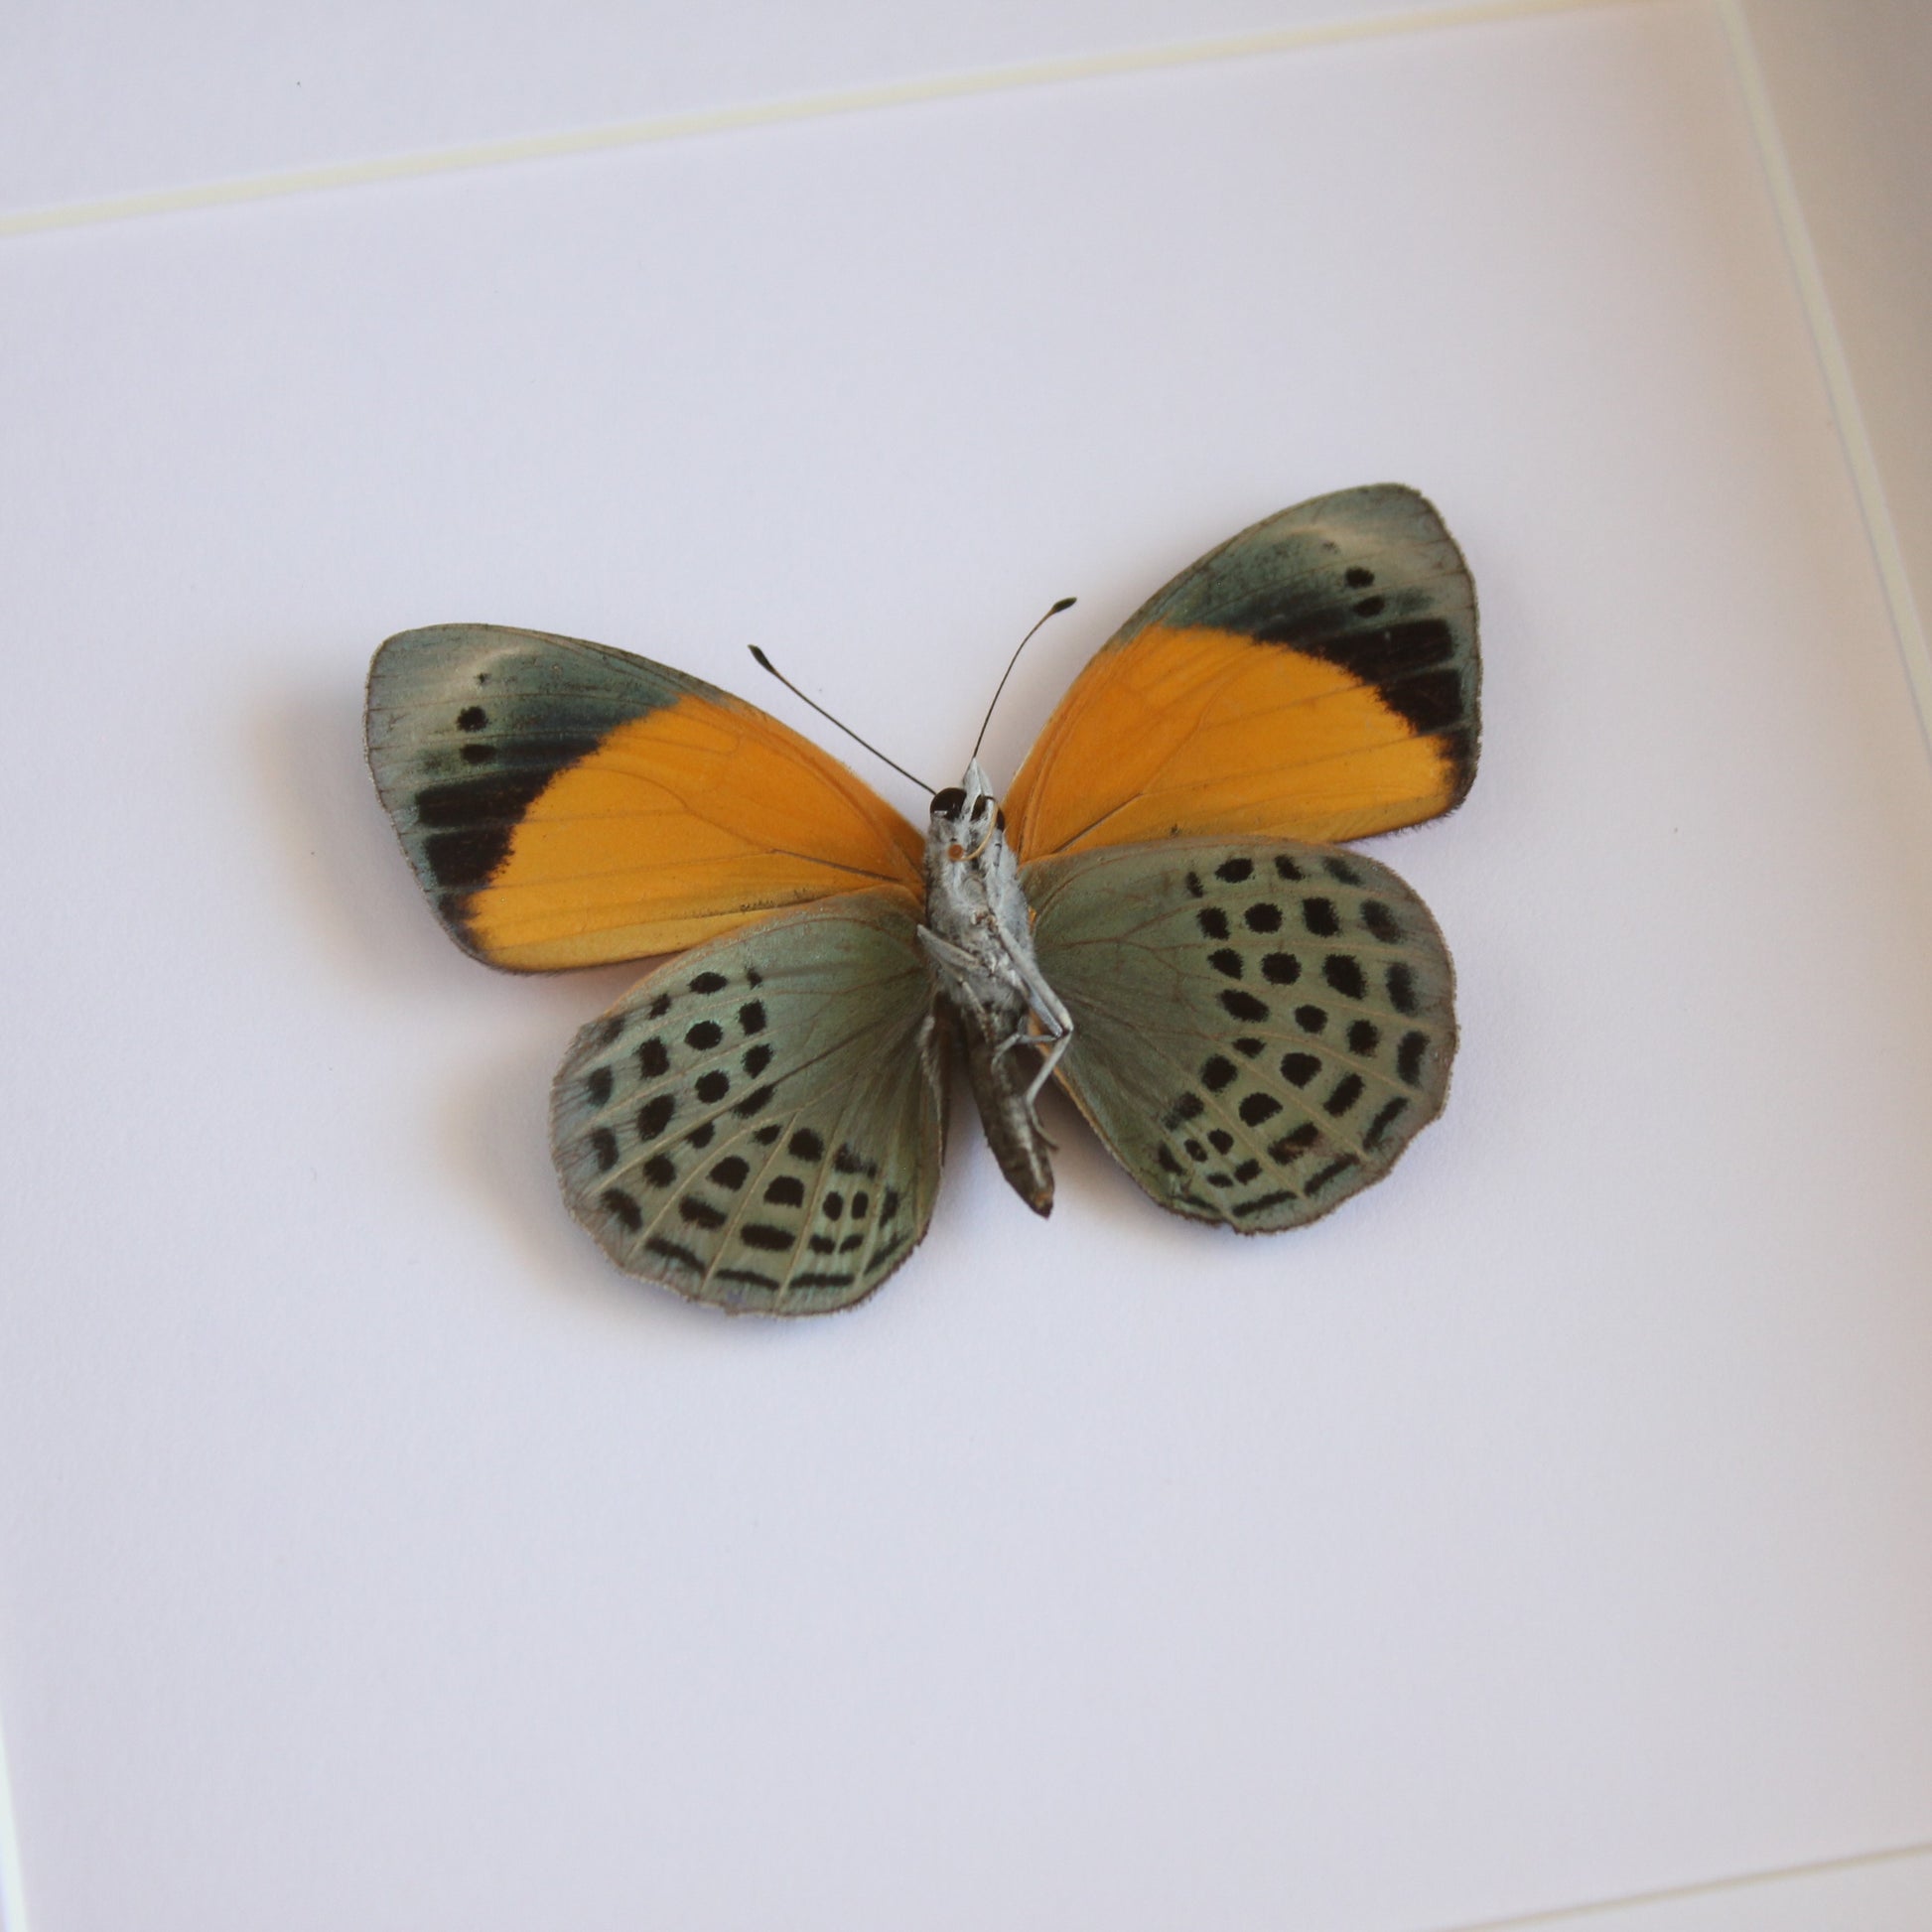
[1254, 1020]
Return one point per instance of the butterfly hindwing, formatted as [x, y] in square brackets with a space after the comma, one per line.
[758, 1124]
[565, 804]
[1314, 678]
[1260, 1025]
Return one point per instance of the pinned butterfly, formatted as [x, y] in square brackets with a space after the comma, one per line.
[1255, 1021]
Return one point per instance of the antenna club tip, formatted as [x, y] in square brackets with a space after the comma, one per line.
[1066, 604]
[760, 656]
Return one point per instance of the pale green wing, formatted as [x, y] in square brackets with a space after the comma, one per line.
[1260, 1026]
[759, 1123]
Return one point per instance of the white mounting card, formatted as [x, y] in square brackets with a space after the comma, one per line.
[1544, 1526]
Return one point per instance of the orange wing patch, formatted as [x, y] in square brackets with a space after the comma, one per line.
[678, 826]
[1197, 731]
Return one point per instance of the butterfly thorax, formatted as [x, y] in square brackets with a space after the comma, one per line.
[978, 936]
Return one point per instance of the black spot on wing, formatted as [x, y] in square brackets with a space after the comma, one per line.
[746, 1278]
[1343, 972]
[1409, 1057]
[1347, 1091]
[498, 800]
[615, 1202]
[461, 860]
[1321, 1178]
[1243, 1209]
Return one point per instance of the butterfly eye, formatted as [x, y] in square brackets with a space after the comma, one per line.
[1000, 819]
[948, 803]
[979, 807]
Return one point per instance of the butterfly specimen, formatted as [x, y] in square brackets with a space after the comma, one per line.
[1160, 918]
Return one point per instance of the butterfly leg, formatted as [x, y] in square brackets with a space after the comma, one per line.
[1048, 1014]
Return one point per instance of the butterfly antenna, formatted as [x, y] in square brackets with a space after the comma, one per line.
[1066, 604]
[764, 663]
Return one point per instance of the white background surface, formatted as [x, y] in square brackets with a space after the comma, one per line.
[1544, 1527]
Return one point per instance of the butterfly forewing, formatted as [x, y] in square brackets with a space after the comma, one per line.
[1260, 1026]
[758, 1124]
[567, 804]
[1315, 677]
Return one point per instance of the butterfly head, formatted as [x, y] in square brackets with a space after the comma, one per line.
[967, 824]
